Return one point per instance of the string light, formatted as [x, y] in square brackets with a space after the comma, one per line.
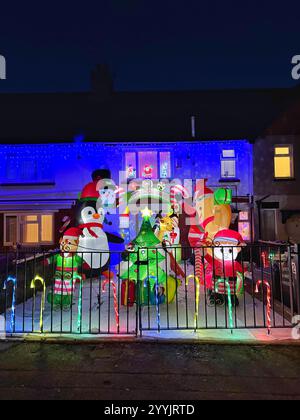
[197, 285]
[33, 286]
[13, 280]
[156, 299]
[116, 309]
[79, 316]
[48, 158]
[230, 312]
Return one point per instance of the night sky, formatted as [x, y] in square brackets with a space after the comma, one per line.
[149, 45]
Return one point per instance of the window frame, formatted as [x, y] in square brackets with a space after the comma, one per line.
[20, 224]
[290, 155]
[159, 154]
[227, 159]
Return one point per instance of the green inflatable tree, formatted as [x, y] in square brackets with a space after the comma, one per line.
[144, 263]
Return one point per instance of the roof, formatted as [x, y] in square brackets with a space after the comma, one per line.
[142, 116]
[288, 123]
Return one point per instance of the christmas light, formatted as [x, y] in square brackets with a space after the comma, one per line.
[33, 286]
[13, 280]
[197, 285]
[230, 314]
[147, 213]
[156, 298]
[79, 310]
[116, 308]
[266, 284]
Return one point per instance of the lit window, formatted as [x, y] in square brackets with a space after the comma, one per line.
[245, 225]
[283, 162]
[148, 165]
[47, 228]
[228, 164]
[131, 166]
[28, 229]
[165, 165]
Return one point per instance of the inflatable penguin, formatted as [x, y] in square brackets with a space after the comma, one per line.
[94, 243]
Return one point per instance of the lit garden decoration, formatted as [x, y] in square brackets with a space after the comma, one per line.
[153, 273]
[12, 280]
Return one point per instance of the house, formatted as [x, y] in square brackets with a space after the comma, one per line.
[277, 177]
[51, 143]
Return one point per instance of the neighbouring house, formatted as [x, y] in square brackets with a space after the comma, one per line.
[277, 178]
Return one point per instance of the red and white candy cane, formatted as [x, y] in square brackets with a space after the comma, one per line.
[199, 264]
[175, 191]
[120, 192]
[269, 306]
[104, 284]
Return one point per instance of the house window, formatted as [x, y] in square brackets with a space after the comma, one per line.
[245, 225]
[22, 170]
[28, 229]
[131, 165]
[11, 229]
[228, 164]
[148, 165]
[165, 165]
[283, 162]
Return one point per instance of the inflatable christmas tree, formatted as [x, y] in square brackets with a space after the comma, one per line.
[146, 265]
[145, 259]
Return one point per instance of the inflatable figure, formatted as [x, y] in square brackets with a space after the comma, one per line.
[222, 267]
[67, 269]
[91, 216]
[165, 228]
[210, 219]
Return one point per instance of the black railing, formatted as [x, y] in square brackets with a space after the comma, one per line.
[150, 290]
[256, 291]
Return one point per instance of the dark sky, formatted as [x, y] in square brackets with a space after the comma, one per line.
[188, 44]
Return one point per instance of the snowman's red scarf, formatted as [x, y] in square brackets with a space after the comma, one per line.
[89, 227]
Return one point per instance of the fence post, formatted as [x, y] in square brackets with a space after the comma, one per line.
[294, 257]
[138, 306]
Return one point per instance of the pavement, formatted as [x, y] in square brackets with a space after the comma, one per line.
[148, 370]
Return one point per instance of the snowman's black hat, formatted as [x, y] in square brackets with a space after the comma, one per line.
[100, 174]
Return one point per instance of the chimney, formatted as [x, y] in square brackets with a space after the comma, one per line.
[101, 80]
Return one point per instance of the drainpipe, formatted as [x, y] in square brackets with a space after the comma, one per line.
[193, 126]
[259, 203]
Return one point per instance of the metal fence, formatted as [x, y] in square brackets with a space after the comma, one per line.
[150, 290]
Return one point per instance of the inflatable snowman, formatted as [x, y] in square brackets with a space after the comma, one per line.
[94, 243]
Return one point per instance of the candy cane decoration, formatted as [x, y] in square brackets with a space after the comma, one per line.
[269, 305]
[156, 299]
[33, 286]
[265, 259]
[13, 280]
[199, 264]
[197, 282]
[176, 190]
[121, 193]
[230, 314]
[79, 316]
[105, 283]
